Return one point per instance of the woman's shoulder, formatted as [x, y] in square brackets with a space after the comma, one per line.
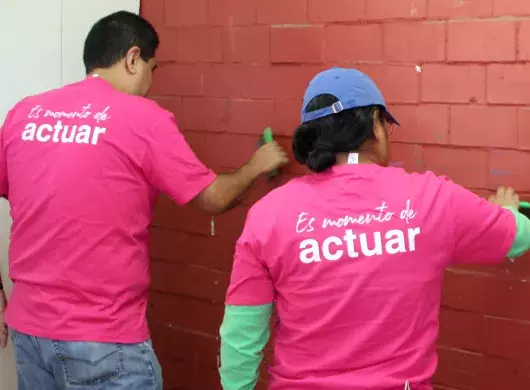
[284, 191]
[281, 198]
[424, 176]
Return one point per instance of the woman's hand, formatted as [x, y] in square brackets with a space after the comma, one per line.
[505, 197]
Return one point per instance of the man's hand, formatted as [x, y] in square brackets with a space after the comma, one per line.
[222, 193]
[505, 197]
[3, 327]
[268, 158]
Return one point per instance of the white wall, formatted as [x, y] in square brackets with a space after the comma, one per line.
[41, 48]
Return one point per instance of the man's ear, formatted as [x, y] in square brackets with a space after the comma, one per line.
[132, 59]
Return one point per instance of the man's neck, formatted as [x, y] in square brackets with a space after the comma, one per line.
[109, 76]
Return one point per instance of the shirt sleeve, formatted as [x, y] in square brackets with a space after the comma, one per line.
[170, 164]
[521, 244]
[244, 333]
[483, 232]
[245, 329]
[250, 282]
[4, 187]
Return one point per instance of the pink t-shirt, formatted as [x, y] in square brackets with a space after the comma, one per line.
[354, 259]
[82, 167]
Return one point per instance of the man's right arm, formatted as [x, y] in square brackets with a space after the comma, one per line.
[226, 188]
[174, 169]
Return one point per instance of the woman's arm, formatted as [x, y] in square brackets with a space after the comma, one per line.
[521, 243]
[244, 333]
[246, 326]
[485, 232]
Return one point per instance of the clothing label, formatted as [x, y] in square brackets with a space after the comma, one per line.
[353, 158]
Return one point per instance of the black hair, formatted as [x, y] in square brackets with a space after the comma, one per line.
[111, 37]
[316, 143]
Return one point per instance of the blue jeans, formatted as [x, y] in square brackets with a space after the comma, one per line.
[44, 364]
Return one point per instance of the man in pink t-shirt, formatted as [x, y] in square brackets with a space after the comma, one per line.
[82, 167]
[353, 256]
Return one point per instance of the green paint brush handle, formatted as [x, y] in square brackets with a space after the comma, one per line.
[267, 135]
[524, 205]
[267, 138]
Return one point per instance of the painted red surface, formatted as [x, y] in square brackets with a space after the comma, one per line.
[455, 72]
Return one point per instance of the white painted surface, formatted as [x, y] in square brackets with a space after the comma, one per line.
[31, 47]
[78, 18]
[43, 45]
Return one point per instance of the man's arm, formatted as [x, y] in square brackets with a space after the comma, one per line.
[173, 168]
[226, 188]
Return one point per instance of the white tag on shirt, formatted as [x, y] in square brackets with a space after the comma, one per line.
[353, 158]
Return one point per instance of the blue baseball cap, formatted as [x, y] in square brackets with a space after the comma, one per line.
[351, 87]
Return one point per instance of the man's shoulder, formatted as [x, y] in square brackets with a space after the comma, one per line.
[31, 104]
[138, 110]
[148, 108]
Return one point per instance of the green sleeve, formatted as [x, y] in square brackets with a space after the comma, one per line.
[244, 333]
[521, 244]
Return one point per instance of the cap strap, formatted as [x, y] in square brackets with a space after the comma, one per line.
[335, 108]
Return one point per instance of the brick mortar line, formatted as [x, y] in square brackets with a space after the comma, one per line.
[189, 297]
[212, 270]
[382, 62]
[357, 22]
[487, 316]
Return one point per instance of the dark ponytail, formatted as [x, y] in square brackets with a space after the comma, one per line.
[316, 143]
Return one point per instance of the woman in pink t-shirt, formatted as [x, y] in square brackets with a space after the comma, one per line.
[354, 255]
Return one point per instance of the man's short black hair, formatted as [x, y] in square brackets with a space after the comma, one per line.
[111, 37]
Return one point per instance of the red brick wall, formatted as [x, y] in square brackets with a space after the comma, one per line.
[457, 76]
